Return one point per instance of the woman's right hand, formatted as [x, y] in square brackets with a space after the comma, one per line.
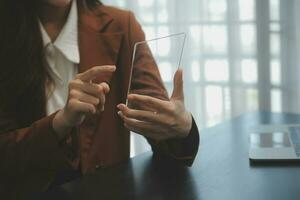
[85, 97]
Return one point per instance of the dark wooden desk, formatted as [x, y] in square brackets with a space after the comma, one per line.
[221, 171]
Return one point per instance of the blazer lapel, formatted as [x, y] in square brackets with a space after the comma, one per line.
[99, 44]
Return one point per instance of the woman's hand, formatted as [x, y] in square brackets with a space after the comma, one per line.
[159, 119]
[85, 97]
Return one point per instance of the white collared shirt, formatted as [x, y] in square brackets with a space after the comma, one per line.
[63, 58]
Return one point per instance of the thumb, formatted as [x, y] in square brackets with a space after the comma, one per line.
[178, 86]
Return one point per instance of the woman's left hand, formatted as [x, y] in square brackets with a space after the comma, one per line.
[159, 119]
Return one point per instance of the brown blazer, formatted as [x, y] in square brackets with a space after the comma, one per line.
[31, 157]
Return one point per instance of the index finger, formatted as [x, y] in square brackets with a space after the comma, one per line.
[153, 103]
[92, 73]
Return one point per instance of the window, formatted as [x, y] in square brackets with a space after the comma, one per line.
[227, 72]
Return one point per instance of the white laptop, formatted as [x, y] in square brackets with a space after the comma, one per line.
[275, 143]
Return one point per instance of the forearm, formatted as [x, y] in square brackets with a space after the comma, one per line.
[33, 148]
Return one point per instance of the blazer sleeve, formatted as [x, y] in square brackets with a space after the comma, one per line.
[32, 149]
[146, 80]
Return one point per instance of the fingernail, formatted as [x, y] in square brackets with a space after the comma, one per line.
[114, 67]
[119, 113]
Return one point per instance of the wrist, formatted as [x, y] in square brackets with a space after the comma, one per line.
[60, 124]
[188, 125]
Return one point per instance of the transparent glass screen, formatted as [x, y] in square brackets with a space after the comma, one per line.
[154, 64]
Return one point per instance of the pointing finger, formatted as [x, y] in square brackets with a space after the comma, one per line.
[92, 73]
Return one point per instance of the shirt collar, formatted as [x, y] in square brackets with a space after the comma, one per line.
[67, 40]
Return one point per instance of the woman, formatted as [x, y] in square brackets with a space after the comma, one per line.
[65, 68]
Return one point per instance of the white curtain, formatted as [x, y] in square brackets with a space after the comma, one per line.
[240, 56]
